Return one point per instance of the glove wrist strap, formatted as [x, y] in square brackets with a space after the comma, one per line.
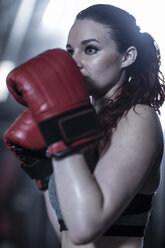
[70, 126]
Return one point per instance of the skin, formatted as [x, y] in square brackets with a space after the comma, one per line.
[97, 57]
[95, 201]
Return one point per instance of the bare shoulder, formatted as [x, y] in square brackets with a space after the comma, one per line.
[143, 113]
[142, 121]
[138, 131]
[134, 147]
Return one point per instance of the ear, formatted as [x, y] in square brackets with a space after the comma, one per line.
[129, 57]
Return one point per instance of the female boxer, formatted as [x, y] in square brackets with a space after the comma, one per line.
[103, 195]
[106, 155]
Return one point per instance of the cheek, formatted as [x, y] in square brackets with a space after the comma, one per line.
[110, 68]
[96, 66]
[102, 69]
[102, 75]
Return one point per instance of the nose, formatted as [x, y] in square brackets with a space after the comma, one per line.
[78, 59]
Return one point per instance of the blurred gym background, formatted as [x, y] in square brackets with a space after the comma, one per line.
[28, 27]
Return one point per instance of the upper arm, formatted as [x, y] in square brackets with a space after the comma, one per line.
[125, 162]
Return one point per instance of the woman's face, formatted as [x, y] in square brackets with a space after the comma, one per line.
[96, 55]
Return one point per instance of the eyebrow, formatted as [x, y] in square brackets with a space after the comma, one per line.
[84, 42]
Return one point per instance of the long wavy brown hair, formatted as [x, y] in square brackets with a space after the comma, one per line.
[144, 83]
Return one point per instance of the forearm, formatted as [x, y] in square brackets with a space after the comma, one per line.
[80, 197]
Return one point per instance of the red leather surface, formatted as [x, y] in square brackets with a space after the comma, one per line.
[50, 84]
[24, 132]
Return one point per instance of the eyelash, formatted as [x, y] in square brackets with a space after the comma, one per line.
[87, 48]
[93, 48]
[70, 51]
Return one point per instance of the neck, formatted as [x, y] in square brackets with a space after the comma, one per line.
[98, 102]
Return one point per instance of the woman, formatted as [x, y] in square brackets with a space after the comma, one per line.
[105, 191]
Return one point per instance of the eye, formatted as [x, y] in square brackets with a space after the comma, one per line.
[91, 50]
[70, 51]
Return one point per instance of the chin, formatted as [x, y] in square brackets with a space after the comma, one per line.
[93, 91]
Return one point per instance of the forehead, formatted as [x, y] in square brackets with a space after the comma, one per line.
[87, 29]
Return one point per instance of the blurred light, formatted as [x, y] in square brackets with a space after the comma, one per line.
[52, 15]
[19, 29]
[5, 68]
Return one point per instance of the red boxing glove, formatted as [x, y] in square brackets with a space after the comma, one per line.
[52, 86]
[24, 139]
